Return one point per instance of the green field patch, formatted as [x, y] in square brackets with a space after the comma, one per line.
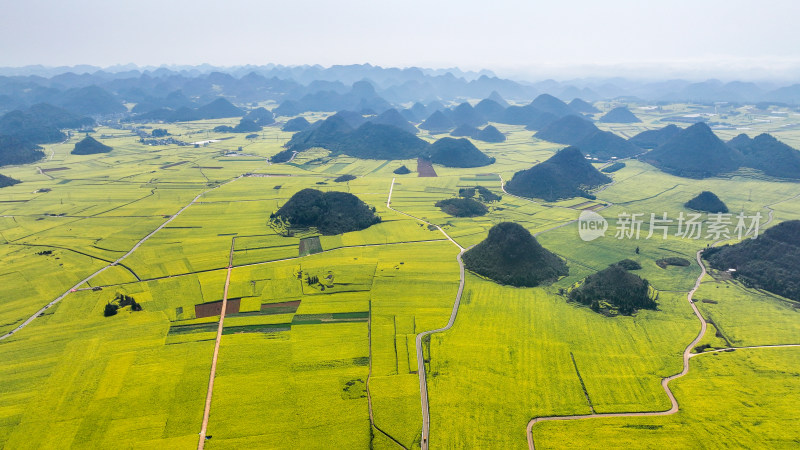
[257, 319]
[259, 328]
[280, 308]
[481, 178]
[186, 338]
[310, 246]
[167, 166]
[352, 389]
[196, 328]
[313, 319]
[202, 320]
[360, 361]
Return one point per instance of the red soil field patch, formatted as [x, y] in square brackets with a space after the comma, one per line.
[211, 309]
[425, 168]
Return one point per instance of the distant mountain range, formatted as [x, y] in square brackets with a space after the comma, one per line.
[21, 131]
[93, 91]
[354, 135]
[583, 134]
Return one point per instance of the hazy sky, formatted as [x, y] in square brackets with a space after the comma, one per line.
[510, 37]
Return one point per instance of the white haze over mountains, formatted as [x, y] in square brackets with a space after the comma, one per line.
[693, 39]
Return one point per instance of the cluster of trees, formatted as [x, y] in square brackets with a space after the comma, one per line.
[343, 178]
[121, 301]
[282, 156]
[615, 288]
[770, 262]
[462, 207]
[484, 194]
[629, 264]
[613, 167]
[328, 212]
[707, 201]
[469, 202]
[673, 261]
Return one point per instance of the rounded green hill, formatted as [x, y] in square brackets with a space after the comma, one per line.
[511, 255]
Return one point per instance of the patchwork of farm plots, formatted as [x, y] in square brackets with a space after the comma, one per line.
[333, 363]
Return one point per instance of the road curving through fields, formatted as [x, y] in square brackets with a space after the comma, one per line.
[423, 386]
[687, 355]
[116, 262]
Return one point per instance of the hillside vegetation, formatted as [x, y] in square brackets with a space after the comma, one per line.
[620, 114]
[329, 212]
[707, 201]
[511, 255]
[462, 207]
[695, 152]
[564, 175]
[769, 155]
[458, 153]
[614, 288]
[90, 146]
[770, 262]
[7, 181]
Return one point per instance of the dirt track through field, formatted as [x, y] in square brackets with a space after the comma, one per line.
[687, 355]
[664, 382]
[423, 385]
[119, 260]
[202, 441]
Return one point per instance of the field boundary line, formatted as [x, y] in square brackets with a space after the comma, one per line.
[116, 262]
[423, 384]
[369, 377]
[664, 381]
[687, 355]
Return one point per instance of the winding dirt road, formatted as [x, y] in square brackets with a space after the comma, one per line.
[423, 385]
[664, 381]
[687, 355]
